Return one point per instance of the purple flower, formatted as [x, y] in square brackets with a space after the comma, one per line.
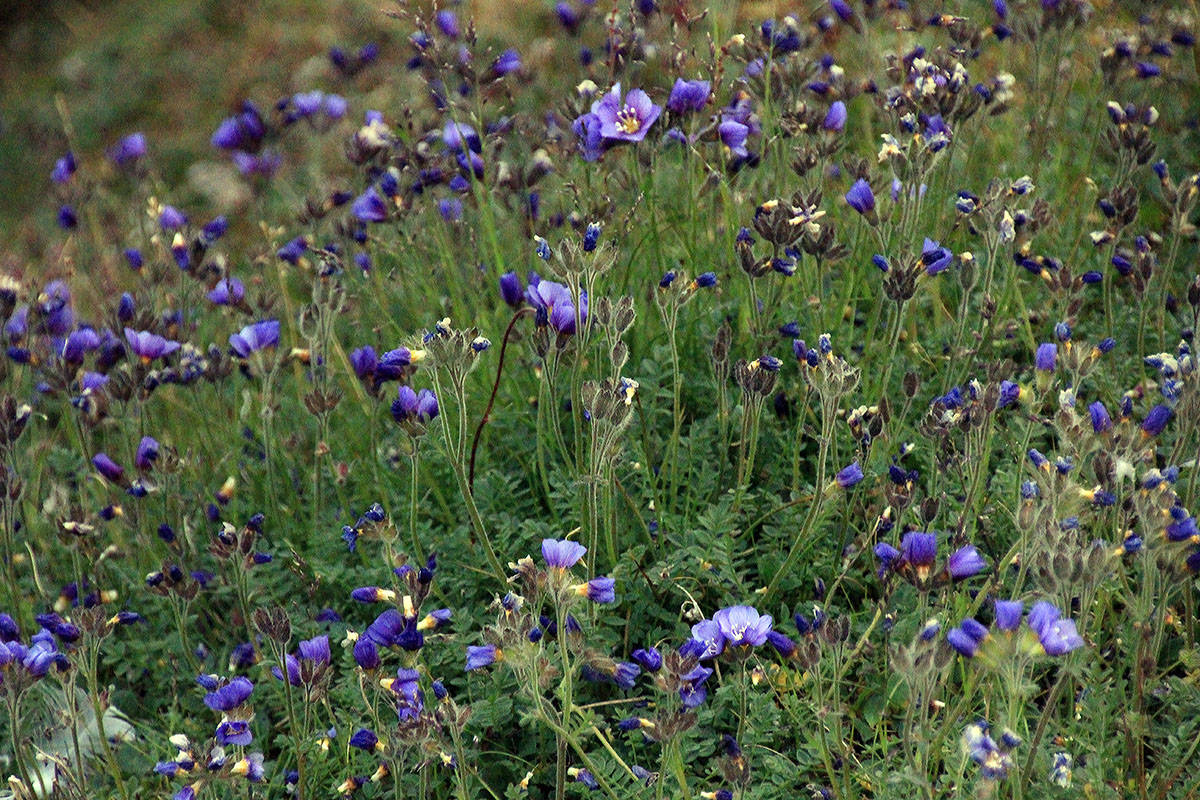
[64, 168]
[482, 656]
[292, 251]
[733, 135]
[1101, 421]
[128, 150]
[227, 292]
[628, 120]
[587, 128]
[743, 626]
[451, 209]
[364, 739]
[599, 590]
[861, 198]
[68, 220]
[366, 654]
[511, 290]
[1046, 356]
[935, 258]
[78, 344]
[315, 650]
[229, 696]
[335, 106]
[919, 550]
[447, 23]
[835, 120]
[147, 453]
[1057, 636]
[370, 206]
[965, 562]
[650, 659]
[421, 406]
[171, 218]
[849, 475]
[234, 732]
[1156, 420]
[887, 555]
[107, 467]
[555, 302]
[707, 641]
[254, 337]
[251, 766]
[506, 63]
[562, 553]
[967, 637]
[149, 346]
[458, 136]
[1008, 614]
[688, 96]
[693, 693]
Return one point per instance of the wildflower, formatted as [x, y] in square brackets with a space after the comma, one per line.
[649, 659]
[1156, 421]
[409, 405]
[849, 475]
[434, 619]
[365, 739]
[1046, 356]
[506, 63]
[227, 292]
[916, 558]
[251, 766]
[598, 590]
[1057, 636]
[482, 656]
[372, 594]
[128, 150]
[707, 641]
[562, 554]
[556, 306]
[370, 206]
[742, 626]
[255, 337]
[965, 562]
[511, 290]
[107, 467]
[1008, 614]
[625, 120]
[687, 96]
[967, 637]
[230, 695]
[1101, 421]
[149, 346]
[862, 199]
[234, 732]
[993, 759]
[146, 454]
[835, 119]
[935, 258]
[1060, 770]
[64, 168]
[692, 691]
[292, 251]
[733, 135]
[591, 236]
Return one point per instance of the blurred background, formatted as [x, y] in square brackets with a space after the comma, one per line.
[81, 75]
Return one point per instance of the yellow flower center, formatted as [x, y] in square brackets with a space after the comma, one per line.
[628, 120]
